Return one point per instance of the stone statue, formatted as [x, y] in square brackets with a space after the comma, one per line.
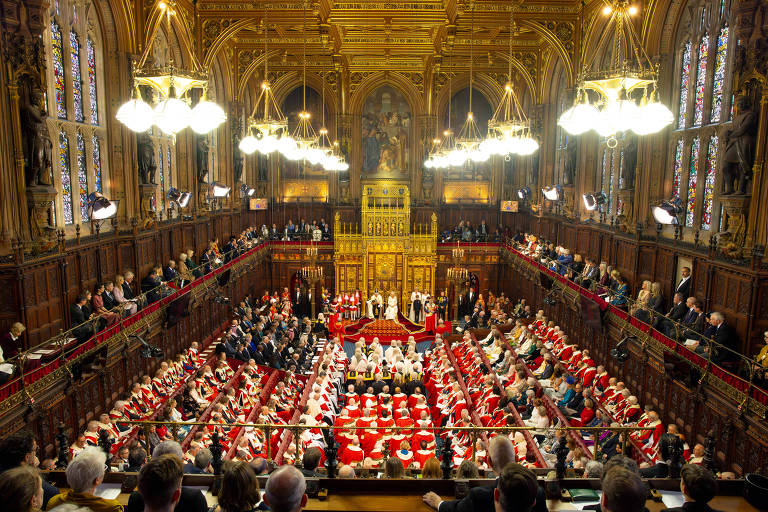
[569, 171]
[145, 150]
[740, 148]
[37, 146]
[201, 155]
[630, 164]
[237, 160]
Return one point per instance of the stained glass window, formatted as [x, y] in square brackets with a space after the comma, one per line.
[701, 78]
[685, 79]
[162, 178]
[82, 177]
[719, 78]
[92, 81]
[57, 55]
[66, 180]
[77, 79]
[678, 170]
[170, 169]
[97, 163]
[709, 184]
[693, 176]
[603, 173]
[610, 180]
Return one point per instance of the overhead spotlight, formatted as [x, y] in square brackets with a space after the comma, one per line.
[621, 352]
[523, 193]
[246, 191]
[667, 211]
[99, 207]
[220, 190]
[592, 201]
[147, 351]
[553, 193]
[177, 196]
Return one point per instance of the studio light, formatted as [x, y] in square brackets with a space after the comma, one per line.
[523, 193]
[220, 190]
[246, 191]
[621, 352]
[100, 207]
[553, 193]
[177, 196]
[592, 201]
[667, 212]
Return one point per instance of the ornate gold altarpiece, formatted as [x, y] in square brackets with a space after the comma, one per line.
[382, 253]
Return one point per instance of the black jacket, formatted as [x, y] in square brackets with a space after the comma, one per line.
[693, 506]
[684, 288]
[481, 499]
[128, 291]
[678, 312]
[76, 315]
[191, 500]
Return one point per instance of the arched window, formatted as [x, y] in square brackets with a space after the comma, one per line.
[704, 105]
[74, 77]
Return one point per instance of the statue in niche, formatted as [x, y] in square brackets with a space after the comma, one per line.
[740, 148]
[237, 159]
[37, 146]
[201, 155]
[630, 164]
[509, 169]
[569, 172]
[262, 167]
[145, 150]
[535, 167]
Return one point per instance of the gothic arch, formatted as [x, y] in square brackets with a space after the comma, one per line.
[554, 41]
[396, 80]
[290, 81]
[218, 44]
[251, 69]
[485, 85]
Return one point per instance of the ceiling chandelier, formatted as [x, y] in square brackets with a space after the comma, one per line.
[617, 88]
[172, 112]
[509, 130]
[267, 132]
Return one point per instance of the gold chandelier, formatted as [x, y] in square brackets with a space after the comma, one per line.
[311, 272]
[172, 112]
[613, 107]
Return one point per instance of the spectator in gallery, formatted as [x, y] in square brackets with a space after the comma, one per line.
[84, 474]
[127, 288]
[20, 450]
[160, 483]
[97, 301]
[285, 490]
[22, 489]
[684, 285]
[150, 286]
[10, 342]
[79, 315]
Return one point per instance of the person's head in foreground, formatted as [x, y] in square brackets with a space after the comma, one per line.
[239, 487]
[160, 483]
[516, 489]
[285, 490]
[623, 491]
[21, 489]
[697, 483]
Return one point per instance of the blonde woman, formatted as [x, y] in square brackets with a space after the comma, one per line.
[184, 272]
[642, 297]
[129, 307]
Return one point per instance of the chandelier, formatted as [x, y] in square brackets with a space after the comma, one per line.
[509, 130]
[457, 274]
[171, 113]
[620, 106]
[311, 272]
[441, 148]
[267, 132]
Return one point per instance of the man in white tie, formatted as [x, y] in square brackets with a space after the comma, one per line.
[684, 286]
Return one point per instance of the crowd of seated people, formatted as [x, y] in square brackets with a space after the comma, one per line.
[303, 230]
[684, 319]
[466, 232]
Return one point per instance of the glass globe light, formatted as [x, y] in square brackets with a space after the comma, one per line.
[580, 118]
[172, 115]
[313, 156]
[206, 116]
[248, 144]
[604, 125]
[136, 114]
[528, 146]
[286, 145]
[268, 144]
[456, 158]
[623, 114]
[478, 155]
[653, 117]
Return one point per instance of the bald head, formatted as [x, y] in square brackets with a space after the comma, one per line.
[346, 472]
[501, 452]
[285, 490]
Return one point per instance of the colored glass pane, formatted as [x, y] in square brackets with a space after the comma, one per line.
[610, 180]
[701, 78]
[82, 177]
[685, 80]
[57, 54]
[66, 179]
[678, 169]
[718, 81]
[709, 184]
[693, 176]
[162, 177]
[92, 81]
[603, 173]
[77, 79]
[170, 169]
[97, 163]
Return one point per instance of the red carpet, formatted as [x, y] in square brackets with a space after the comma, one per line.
[386, 330]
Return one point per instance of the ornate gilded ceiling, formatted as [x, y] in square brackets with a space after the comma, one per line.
[413, 37]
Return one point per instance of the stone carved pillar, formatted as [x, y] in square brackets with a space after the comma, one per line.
[424, 181]
[344, 129]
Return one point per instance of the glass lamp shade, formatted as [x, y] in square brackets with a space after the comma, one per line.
[493, 146]
[527, 146]
[343, 166]
[136, 114]
[579, 119]
[313, 155]
[268, 144]
[248, 144]
[172, 115]
[653, 117]
[206, 116]
[478, 155]
[622, 115]
[286, 145]
[456, 158]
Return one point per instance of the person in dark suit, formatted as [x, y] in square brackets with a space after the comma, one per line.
[149, 285]
[10, 342]
[675, 314]
[169, 272]
[77, 315]
[127, 289]
[722, 334]
[699, 486]
[632, 493]
[190, 500]
[311, 460]
[501, 454]
[684, 285]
